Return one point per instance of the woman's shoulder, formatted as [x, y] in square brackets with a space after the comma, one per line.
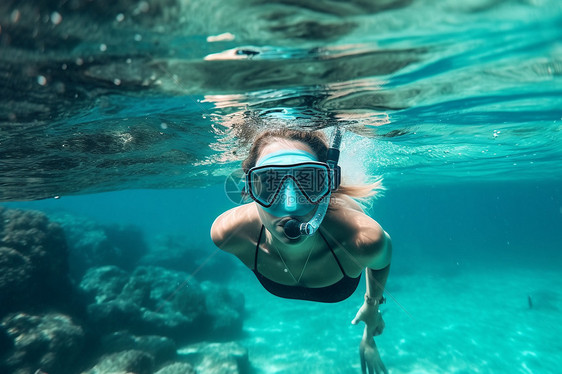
[233, 229]
[360, 234]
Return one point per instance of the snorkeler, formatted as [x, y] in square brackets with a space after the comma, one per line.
[304, 236]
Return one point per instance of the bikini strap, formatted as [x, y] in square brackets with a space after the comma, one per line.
[257, 249]
[331, 250]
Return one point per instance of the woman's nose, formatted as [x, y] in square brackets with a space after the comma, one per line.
[289, 196]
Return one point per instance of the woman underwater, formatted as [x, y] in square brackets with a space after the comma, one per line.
[304, 237]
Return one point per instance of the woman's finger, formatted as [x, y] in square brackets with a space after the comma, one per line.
[362, 357]
[358, 318]
[370, 367]
[383, 368]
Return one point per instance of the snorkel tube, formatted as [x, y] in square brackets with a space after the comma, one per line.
[293, 228]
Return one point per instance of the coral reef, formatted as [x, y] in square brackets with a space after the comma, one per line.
[33, 262]
[154, 300]
[131, 361]
[51, 343]
[161, 348]
[91, 244]
[217, 358]
[115, 320]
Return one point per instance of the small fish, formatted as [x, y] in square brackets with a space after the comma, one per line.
[530, 301]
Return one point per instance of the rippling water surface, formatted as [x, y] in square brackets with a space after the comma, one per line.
[100, 96]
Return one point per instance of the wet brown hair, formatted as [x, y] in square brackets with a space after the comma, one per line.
[318, 142]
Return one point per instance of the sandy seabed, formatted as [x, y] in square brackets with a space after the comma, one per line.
[470, 321]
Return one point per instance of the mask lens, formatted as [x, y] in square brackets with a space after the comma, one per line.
[313, 181]
[265, 182]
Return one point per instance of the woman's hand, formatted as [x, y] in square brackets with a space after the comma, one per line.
[368, 352]
[370, 357]
[370, 314]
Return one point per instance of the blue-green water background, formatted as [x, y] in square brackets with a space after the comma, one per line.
[466, 259]
[471, 223]
[456, 105]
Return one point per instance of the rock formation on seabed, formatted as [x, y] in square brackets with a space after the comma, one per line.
[33, 262]
[114, 320]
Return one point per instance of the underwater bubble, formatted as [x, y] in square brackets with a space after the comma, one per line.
[143, 7]
[103, 47]
[138, 37]
[41, 80]
[56, 18]
[15, 16]
[79, 61]
[120, 17]
[128, 61]
[164, 126]
[117, 81]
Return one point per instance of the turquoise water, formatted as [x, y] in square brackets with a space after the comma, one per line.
[467, 257]
[135, 113]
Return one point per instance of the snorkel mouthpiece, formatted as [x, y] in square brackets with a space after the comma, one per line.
[293, 228]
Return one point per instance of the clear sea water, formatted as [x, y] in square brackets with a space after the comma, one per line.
[136, 112]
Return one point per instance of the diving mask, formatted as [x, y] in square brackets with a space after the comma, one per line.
[289, 182]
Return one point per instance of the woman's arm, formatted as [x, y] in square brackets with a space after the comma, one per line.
[376, 276]
[377, 271]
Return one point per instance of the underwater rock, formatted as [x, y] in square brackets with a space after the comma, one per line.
[177, 368]
[217, 358]
[130, 361]
[161, 348]
[15, 276]
[92, 245]
[114, 315]
[226, 308]
[33, 262]
[104, 283]
[50, 343]
[157, 301]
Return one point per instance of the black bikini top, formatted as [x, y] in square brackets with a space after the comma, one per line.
[334, 293]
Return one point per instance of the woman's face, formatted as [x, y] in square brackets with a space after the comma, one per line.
[289, 203]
